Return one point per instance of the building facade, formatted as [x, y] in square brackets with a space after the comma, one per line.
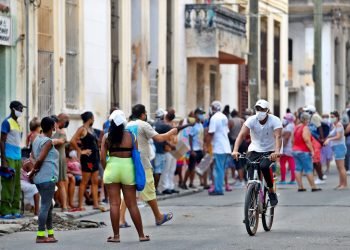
[335, 54]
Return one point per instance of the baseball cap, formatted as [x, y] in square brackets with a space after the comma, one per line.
[216, 105]
[16, 105]
[310, 108]
[160, 113]
[118, 117]
[263, 104]
[199, 111]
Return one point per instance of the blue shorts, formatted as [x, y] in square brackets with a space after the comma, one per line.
[159, 163]
[303, 162]
[339, 151]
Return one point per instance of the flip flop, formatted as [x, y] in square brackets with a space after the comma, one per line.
[301, 190]
[166, 217]
[125, 225]
[145, 238]
[112, 239]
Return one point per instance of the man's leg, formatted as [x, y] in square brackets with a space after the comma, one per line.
[219, 172]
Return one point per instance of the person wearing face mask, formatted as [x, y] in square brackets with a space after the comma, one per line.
[144, 132]
[59, 141]
[326, 151]
[89, 158]
[336, 139]
[11, 135]
[266, 140]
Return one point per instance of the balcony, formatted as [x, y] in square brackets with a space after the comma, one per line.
[215, 32]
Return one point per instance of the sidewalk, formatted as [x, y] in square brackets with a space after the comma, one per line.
[16, 225]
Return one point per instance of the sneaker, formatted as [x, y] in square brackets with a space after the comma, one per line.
[319, 182]
[273, 199]
[211, 189]
[282, 183]
[228, 188]
[292, 183]
[173, 191]
[215, 193]
[167, 191]
[348, 172]
[324, 177]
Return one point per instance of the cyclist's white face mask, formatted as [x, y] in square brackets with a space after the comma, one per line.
[261, 115]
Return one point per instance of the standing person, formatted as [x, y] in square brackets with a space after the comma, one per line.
[89, 158]
[59, 141]
[46, 175]
[218, 132]
[11, 135]
[160, 160]
[326, 151]
[35, 129]
[167, 182]
[317, 141]
[196, 141]
[144, 132]
[266, 140]
[287, 156]
[337, 140]
[303, 152]
[119, 173]
[347, 135]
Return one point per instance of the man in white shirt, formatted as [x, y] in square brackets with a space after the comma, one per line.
[218, 131]
[266, 139]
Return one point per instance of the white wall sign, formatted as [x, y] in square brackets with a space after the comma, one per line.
[5, 30]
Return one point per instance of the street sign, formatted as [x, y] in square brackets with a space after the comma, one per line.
[5, 31]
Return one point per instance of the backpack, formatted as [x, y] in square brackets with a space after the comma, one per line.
[315, 133]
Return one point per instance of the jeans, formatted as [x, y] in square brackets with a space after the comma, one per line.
[303, 162]
[46, 191]
[219, 171]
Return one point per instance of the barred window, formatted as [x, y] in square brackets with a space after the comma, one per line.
[72, 91]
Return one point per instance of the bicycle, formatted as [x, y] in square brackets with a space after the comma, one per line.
[257, 200]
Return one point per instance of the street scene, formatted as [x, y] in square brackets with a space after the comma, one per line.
[178, 124]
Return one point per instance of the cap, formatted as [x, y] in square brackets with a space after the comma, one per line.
[263, 104]
[216, 105]
[310, 108]
[16, 104]
[160, 113]
[118, 117]
[199, 111]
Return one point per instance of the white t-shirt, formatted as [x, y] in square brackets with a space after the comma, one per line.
[262, 136]
[287, 149]
[219, 127]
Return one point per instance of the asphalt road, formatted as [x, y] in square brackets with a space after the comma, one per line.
[302, 221]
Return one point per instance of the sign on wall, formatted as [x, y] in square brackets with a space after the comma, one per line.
[5, 30]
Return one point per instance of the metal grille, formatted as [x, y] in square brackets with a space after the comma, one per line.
[115, 53]
[72, 54]
[45, 60]
[45, 84]
[153, 89]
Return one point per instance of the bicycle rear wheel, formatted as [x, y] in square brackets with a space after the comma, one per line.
[268, 213]
[251, 213]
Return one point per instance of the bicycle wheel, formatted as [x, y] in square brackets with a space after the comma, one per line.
[268, 213]
[251, 213]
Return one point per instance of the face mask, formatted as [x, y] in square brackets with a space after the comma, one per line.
[326, 120]
[261, 115]
[201, 117]
[18, 114]
[333, 120]
[66, 124]
[191, 120]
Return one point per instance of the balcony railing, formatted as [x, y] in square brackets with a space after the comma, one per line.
[210, 17]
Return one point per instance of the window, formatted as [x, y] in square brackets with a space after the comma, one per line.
[45, 59]
[72, 55]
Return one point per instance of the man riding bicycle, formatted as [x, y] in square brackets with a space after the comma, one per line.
[266, 139]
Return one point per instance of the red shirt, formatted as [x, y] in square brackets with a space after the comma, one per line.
[299, 143]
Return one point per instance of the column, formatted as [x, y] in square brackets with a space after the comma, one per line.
[270, 62]
[284, 64]
[162, 32]
[145, 48]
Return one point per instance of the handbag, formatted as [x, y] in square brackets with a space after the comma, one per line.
[140, 176]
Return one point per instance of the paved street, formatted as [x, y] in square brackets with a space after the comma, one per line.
[303, 221]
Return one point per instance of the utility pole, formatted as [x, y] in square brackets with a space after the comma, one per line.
[317, 71]
[254, 52]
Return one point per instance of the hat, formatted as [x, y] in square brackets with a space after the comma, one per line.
[199, 111]
[118, 117]
[160, 113]
[216, 105]
[310, 108]
[16, 105]
[263, 104]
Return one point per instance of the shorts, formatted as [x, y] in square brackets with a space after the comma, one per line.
[149, 192]
[194, 160]
[317, 150]
[159, 163]
[89, 167]
[78, 179]
[303, 162]
[29, 190]
[339, 151]
[119, 170]
[230, 162]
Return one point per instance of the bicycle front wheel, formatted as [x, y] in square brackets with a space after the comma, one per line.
[268, 213]
[251, 213]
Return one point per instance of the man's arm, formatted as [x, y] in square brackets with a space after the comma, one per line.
[166, 136]
[278, 144]
[242, 134]
[2, 149]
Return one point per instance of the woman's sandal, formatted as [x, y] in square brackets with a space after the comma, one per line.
[166, 217]
[145, 238]
[113, 239]
[301, 190]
